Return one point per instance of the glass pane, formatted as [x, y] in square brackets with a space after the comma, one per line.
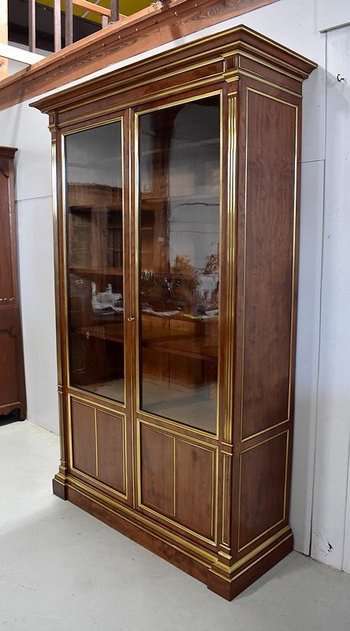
[179, 201]
[95, 260]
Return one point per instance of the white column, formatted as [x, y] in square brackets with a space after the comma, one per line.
[331, 514]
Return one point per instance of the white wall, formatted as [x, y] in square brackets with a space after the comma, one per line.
[332, 14]
[331, 515]
[321, 398]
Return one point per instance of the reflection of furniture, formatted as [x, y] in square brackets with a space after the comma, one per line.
[173, 349]
[95, 264]
[212, 499]
[12, 388]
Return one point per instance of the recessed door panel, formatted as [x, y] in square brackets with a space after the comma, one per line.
[111, 454]
[83, 437]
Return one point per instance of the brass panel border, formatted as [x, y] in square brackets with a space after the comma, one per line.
[230, 263]
[293, 261]
[267, 440]
[118, 118]
[137, 115]
[97, 399]
[121, 416]
[213, 449]
[231, 76]
[235, 566]
[226, 493]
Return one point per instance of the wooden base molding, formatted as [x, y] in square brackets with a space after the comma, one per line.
[207, 568]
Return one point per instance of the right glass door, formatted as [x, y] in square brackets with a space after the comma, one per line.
[179, 177]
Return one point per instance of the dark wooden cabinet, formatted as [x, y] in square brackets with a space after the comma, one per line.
[12, 386]
[178, 193]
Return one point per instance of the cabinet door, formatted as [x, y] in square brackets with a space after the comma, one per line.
[95, 259]
[178, 251]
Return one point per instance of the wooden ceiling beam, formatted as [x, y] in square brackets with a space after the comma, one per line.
[140, 32]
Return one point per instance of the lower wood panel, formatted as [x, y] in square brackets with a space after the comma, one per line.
[195, 487]
[9, 392]
[110, 450]
[98, 444]
[177, 480]
[263, 474]
[83, 437]
[157, 470]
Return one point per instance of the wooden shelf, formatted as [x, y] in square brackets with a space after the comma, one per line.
[150, 203]
[111, 332]
[186, 346]
[89, 271]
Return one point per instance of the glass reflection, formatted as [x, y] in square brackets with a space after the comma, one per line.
[95, 260]
[179, 202]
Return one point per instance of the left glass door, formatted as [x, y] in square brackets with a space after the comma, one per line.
[95, 259]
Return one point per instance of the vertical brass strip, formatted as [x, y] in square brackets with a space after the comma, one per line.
[230, 261]
[138, 463]
[174, 487]
[294, 265]
[63, 230]
[96, 443]
[226, 498]
[124, 244]
[286, 477]
[241, 394]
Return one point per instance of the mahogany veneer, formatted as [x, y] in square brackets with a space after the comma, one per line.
[212, 500]
[12, 384]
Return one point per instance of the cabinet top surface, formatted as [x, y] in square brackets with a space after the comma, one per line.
[227, 47]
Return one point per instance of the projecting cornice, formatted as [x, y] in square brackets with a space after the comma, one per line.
[158, 24]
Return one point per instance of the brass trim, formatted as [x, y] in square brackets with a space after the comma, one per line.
[262, 557]
[273, 66]
[137, 115]
[267, 440]
[264, 431]
[253, 553]
[293, 263]
[101, 406]
[171, 432]
[98, 483]
[97, 399]
[293, 314]
[96, 442]
[226, 495]
[214, 451]
[230, 263]
[174, 474]
[258, 78]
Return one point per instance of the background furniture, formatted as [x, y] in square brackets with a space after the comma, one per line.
[12, 384]
[178, 189]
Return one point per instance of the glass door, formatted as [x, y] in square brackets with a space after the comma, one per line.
[178, 261]
[94, 234]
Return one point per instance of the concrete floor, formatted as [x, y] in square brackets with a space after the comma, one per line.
[61, 568]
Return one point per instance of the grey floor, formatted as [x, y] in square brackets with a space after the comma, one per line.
[62, 569]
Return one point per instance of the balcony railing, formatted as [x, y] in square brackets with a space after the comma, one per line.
[107, 16]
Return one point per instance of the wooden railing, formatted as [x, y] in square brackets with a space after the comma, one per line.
[107, 16]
